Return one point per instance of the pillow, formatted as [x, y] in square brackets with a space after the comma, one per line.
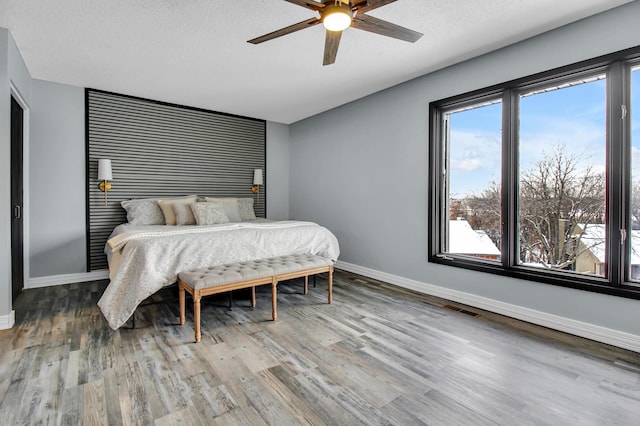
[167, 207]
[245, 206]
[184, 214]
[143, 212]
[230, 207]
[209, 213]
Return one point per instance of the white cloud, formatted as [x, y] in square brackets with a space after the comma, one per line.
[472, 151]
[474, 160]
[467, 164]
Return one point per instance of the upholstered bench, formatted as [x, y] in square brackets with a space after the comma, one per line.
[240, 275]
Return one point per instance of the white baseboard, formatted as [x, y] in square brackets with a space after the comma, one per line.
[7, 321]
[67, 279]
[609, 336]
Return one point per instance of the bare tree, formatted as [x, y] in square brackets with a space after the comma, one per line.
[555, 196]
[456, 209]
[635, 205]
[485, 212]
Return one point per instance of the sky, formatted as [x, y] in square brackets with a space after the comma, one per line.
[574, 117]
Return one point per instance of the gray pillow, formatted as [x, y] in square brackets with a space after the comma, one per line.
[244, 206]
[230, 207]
[209, 213]
[143, 212]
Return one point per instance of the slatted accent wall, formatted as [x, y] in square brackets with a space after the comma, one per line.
[161, 150]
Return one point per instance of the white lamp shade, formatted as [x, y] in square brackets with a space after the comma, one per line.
[257, 177]
[104, 170]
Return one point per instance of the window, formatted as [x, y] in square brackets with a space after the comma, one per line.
[473, 185]
[561, 197]
[539, 178]
[634, 261]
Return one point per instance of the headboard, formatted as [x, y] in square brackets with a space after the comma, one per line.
[164, 150]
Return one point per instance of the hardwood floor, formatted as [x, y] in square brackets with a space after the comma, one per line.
[377, 355]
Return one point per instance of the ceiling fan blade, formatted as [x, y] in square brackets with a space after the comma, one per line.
[385, 28]
[287, 30]
[331, 43]
[374, 4]
[313, 5]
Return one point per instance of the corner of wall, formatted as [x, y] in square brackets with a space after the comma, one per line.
[278, 166]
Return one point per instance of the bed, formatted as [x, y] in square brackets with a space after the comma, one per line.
[145, 258]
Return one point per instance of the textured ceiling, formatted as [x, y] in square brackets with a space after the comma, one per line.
[194, 52]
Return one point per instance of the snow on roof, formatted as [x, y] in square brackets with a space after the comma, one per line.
[464, 240]
[594, 237]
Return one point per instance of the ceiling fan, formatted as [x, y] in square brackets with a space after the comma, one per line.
[338, 15]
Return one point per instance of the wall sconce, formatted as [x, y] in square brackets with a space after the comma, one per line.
[257, 181]
[104, 175]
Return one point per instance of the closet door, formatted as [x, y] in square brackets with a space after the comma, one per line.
[17, 230]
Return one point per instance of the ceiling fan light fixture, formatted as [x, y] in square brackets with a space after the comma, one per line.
[337, 17]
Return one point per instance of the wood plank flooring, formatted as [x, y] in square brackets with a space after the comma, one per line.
[377, 355]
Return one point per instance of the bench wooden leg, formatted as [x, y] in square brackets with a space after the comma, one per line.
[253, 297]
[274, 300]
[196, 313]
[306, 284]
[181, 297]
[330, 285]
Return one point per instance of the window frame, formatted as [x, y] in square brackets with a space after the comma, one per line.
[617, 68]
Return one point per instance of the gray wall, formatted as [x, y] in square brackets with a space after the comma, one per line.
[57, 179]
[362, 170]
[278, 174]
[13, 72]
[57, 222]
[5, 177]
[56, 192]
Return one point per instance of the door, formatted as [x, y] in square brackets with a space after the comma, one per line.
[17, 230]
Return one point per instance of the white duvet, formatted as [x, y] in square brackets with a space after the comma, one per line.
[142, 260]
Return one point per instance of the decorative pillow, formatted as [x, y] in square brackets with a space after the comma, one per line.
[245, 206]
[184, 214]
[143, 212]
[209, 213]
[167, 207]
[230, 207]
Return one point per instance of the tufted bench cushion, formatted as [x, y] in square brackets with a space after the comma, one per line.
[233, 276]
[250, 270]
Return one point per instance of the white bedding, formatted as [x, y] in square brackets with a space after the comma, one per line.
[143, 259]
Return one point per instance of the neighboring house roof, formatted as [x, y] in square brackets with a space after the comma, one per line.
[464, 240]
[594, 237]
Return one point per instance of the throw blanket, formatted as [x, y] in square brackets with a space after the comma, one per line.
[143, 262]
